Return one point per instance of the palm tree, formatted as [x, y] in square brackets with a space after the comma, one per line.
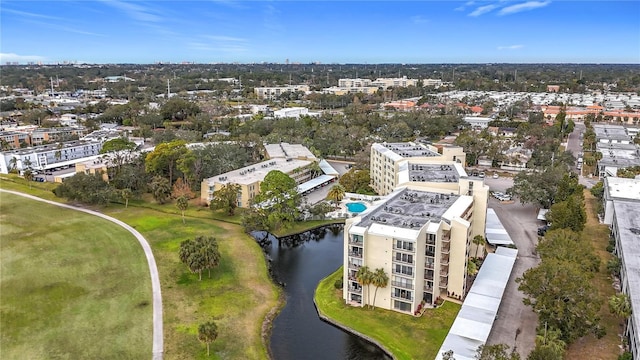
[336, 193]
[478, 240]
[182, 203]
[126, 195]
[363, 276]
[379, 279]
[13, 164]
[208, 333]
[620, 306]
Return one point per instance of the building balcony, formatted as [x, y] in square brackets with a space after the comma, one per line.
[430, 253]
[355, 290]
[445, 249]
[402, 274]
[443, 284]
[431, 242]
[406, 297]
[354, 266]
[428, 277]
[403, 262]
[355, 254]
[444, 274]
[446, 238]
[412, 250]
[428, 288]
[444, 260]
[428, 265]
[402, 285]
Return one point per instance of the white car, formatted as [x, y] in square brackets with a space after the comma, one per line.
[495, 175]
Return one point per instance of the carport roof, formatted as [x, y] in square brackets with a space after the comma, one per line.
[495, 233]
[473, 324]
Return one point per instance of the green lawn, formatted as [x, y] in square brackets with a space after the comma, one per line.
[405, 336]
[72, 286]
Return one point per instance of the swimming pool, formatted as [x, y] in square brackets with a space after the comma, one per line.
[356, 207]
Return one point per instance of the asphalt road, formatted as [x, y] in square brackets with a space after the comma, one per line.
[516, 323]
[158, 342]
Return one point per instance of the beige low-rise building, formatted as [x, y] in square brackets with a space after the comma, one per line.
[294, 160]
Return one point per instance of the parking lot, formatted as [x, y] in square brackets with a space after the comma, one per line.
[516, 323]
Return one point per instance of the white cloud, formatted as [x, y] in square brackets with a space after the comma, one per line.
[30, 14]
[526, 6]
[134, 11]
[418, 19]
[11, 57]
[510, 47]
[482, 10]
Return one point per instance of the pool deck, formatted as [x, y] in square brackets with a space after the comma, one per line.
[342, 212]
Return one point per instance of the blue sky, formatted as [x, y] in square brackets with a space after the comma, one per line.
[205, 31]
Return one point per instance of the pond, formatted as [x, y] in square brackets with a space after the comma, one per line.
[299, 263]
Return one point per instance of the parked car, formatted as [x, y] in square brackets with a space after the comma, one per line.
[543, 230]
[495, 175]
[481, 174]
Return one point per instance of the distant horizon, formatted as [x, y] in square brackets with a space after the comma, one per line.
[327, 32]
[70, 63]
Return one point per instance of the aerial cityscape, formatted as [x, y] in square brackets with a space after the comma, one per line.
[320, 180]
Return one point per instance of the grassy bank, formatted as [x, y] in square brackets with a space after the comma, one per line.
[300, 227]
[238, 295]
[73, 286]
[405, 336]
[589, 347]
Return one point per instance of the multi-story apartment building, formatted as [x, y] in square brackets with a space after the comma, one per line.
[420, 238]
[351, 83]
[615, 143]
[44, 135]
[294, 160]
[394, 82]
[622, 206]
[421, 234]
[14, 139]
[49, 156]
[275, 91]
[386, 159]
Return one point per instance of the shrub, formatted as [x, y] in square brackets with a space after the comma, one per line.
[338, 284]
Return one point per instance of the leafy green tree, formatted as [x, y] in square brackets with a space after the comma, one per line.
[177, 109]
[549, 345]
[226, 198]
[336, 193]
[163, 159]
[160, 189]
[496, 352]
[279, 194]
[566, 245]
[537, 187]
[88, 189]
[182, 203]
[569, 214]
[379, 279]
[562, 295]
[117, 144]
[208, 333]
[357, 181]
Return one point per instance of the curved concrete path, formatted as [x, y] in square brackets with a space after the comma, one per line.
[158, 344]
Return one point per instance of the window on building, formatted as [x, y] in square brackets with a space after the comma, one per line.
[401, 305]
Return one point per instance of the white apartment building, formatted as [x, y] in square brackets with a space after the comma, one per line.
[622, 206]
[351, 83]
[49, 156]
[422, 240]
[386, 158]
[275, 91]
[394, 82]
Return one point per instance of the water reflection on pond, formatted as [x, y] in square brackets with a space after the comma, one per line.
[299, 263]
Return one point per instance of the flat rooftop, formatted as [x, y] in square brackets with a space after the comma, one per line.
[629, 229]
[50, 147]
[433, 172]
[406, 150]
[612, 132]
[622, 188]
[253, 173]
[409, 209]
[619, 155]
[286, 150]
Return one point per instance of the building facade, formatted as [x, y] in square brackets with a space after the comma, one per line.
[386, 158]
[49, 156]
[273, 92]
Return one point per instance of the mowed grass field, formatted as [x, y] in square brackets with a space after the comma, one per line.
[237, 296]
[72, 286]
